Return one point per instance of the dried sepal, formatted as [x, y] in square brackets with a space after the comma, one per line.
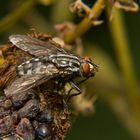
[81, 8]
[84, 9]
[61, 123]
[63, 28]
[127, 5]
[42, 36]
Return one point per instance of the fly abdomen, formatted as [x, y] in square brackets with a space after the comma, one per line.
[32, 66]
[24, 68]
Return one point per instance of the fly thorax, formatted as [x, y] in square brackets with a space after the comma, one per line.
[69, 63]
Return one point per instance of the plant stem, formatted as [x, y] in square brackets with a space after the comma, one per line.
[86, 23]
[121, 45]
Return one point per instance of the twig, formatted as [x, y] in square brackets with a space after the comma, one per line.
[86, 23]
[121, 45]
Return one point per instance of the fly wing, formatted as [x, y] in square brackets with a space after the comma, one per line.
[27, 82]
[35, 46]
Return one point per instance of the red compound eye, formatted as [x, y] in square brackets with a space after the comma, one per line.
[86, 69]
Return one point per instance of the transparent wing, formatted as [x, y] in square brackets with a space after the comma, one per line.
[27, 82]
[35, 46]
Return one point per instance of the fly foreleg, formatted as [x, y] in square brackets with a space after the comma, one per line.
[73, 86]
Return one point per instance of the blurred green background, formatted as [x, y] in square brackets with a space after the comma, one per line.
[108, 122]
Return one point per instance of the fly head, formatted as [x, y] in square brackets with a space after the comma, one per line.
[87, 68]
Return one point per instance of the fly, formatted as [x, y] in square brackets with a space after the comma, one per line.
[49, 61]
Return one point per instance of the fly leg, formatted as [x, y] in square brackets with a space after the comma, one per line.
[73, 86]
